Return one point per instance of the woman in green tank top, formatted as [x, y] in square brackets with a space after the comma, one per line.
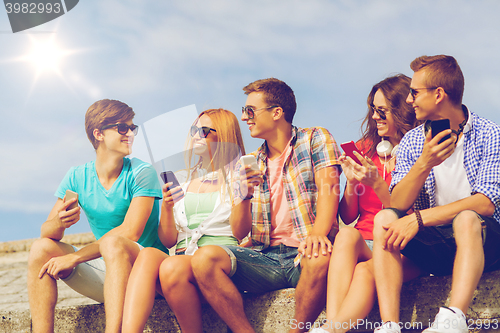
[192, 215]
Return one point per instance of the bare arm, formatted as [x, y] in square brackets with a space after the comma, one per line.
[406, 191]
[59, 220]
[327, 182]
[241, 213]
[166, 229]
[400, 232]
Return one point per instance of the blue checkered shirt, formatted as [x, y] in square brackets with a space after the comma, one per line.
[481, 162]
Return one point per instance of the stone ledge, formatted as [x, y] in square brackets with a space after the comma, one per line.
[25, 244]
[273, 311]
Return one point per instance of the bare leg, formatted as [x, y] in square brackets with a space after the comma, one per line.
[42, 292]
[119, 254]
[469, 260]
[141, 286]
[358, 301]
[387, 269]
[348, 249]
[310, 293]
[181, 292]
[211, 266]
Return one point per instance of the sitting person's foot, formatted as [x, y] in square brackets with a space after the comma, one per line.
[448, 321]
[388, 327]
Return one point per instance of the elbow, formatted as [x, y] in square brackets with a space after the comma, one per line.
[485, 207]
[488, 209]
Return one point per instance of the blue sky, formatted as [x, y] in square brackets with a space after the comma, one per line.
[159, 56]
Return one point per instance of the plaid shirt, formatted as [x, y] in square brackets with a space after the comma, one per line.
[481, 161]
[312, 149]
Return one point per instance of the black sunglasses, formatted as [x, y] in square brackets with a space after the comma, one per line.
[414, 91]
[381, 113]
[123, 128]
[250, 111]
[203, 132]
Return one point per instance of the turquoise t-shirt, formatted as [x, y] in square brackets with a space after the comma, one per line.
[106, 209]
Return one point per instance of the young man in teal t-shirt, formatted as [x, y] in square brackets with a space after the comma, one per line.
[119, 197]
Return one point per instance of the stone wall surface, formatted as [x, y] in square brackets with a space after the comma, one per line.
[271, 312]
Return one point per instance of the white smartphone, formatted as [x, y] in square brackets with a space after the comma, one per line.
[70, 195]
[249, 160]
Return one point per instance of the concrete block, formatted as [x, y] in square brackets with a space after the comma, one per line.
[15, 321]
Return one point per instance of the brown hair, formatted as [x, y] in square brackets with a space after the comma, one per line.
[276, 92]
[442, 71]
[395, 90]
[105, 112]
[229, 146]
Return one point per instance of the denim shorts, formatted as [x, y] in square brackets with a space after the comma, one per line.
[258, 272]
[433, 249]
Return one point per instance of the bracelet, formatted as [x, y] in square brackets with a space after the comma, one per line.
[419, 220]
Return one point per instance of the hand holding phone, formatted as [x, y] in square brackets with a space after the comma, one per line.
[438, 126]
[169, 177]
[70, 195]
[249, 160]
[349, 149]
[172, 197]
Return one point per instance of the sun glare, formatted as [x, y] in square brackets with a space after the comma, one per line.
[45, 55]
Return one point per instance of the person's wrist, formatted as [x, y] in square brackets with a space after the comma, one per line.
[249, 194]
[420, 222]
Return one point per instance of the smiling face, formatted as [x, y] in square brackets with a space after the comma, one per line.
[385, 127]
[114, 142]
[203, 146]
[423, 102]
[262, 123]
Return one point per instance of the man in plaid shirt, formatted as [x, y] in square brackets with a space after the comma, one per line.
[292, 198]
[451, 179]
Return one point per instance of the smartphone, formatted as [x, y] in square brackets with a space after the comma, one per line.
[169, 177]
[439, 126]
[249, 160]
[349, 148]
[70, 195]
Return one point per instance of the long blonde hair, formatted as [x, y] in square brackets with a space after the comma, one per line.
[228, 149]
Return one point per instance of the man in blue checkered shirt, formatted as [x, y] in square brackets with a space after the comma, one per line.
[451, 179]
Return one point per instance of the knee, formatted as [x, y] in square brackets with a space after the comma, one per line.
[114, 247]
[467, 223]
[364, 269]
[146, 256]
[207, 259]
[44, 248]
[173, 274]
[382, 218]
[317, 266]
[347, 237]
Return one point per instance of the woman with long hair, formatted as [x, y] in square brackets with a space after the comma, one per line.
[351, 285]
[194, 214]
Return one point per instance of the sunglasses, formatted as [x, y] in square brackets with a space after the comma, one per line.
[381, 113]
[250, 111]
[414, 91]
[203, 132]
[123, 128]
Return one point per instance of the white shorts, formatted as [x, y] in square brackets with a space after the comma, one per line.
[88, 278]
